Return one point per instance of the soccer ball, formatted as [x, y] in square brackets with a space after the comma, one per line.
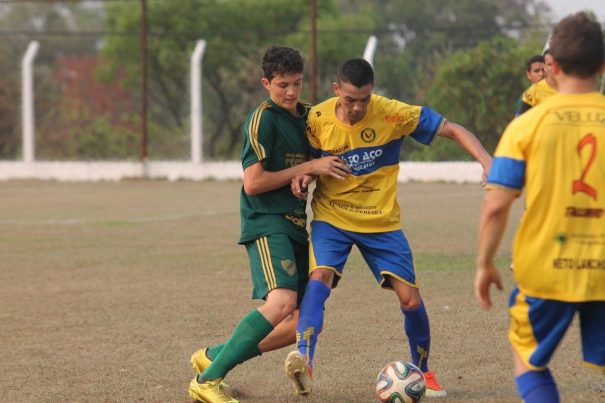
[400, 382]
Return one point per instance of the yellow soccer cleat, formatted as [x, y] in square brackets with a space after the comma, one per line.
[200, 360]
[433, 389]
[209, 392]
[300, 373]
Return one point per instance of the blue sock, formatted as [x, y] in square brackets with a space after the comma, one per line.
[418, 331]
[311, 317]
[537, 387]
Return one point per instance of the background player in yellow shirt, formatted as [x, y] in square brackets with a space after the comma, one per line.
[534, 73]
[557, 151]
[366, 131]
[539, 91]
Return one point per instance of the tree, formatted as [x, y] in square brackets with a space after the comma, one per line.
[237, 35]
[478, 89]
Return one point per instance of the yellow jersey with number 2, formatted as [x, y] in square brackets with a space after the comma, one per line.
[556, 151]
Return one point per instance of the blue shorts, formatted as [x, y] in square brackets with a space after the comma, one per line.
[538, 325]
[388, 254]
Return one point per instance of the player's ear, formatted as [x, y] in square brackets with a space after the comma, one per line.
[336, 88]
[266, 83]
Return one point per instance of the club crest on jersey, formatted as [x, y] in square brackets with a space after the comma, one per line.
[368, 135]
[289, 267]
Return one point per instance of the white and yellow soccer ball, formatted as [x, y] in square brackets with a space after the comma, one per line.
[400, 382]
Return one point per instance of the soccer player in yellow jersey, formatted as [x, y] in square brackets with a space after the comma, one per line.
[366, 131]
[557, 152]
[540, 90]
[535, 72]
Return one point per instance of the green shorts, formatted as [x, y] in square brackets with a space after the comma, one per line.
[277, 261]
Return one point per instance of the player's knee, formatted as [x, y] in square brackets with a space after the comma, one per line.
[280, 303]
[323, 275]
[410, 305]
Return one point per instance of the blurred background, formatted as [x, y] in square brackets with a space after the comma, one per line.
[463, 58]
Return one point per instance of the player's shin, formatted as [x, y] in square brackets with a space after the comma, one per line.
[311, 318]
[417, 329]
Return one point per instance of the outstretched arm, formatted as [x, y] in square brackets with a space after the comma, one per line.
[470, 143]
[257, 180]
[494, 216]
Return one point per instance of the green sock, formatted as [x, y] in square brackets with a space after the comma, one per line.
[242, 345]
[213, 351]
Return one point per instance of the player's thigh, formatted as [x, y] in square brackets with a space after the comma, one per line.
[329, 249]
[273, 264]
[592, 326]
[389, 256]
[537, 327]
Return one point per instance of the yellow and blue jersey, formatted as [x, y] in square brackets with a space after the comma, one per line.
[366, 201]
[557, 152]
[537, 93]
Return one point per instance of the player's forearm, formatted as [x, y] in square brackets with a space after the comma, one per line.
[494, 216]
[258, 180]
[471, 144]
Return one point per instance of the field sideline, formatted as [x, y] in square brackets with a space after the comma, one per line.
[107, 288]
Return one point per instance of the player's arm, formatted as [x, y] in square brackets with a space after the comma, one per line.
[492, 223]
[469, 142]
[258, 180]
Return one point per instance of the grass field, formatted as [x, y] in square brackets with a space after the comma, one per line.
[107, 288]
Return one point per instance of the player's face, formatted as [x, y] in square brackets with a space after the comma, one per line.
[536, 72]
[547, 64]
[284, 90]
[352, 101]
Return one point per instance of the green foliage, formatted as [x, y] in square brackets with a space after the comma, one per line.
[102, 140]
[478, 88]
[428, 52]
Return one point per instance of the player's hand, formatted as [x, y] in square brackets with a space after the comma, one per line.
[333, 166]
[485, 173]
[485, 277]
[300, 186]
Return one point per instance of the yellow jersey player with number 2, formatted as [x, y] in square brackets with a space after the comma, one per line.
[556, 151]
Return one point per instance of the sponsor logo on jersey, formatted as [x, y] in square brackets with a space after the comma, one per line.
[394, 118]
[294, 159]
[339, 149]
[289, 267]
[299, 222]
[368, 135]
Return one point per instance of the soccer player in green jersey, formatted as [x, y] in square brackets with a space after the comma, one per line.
[366, 130]
[556, 151]
[273, 223]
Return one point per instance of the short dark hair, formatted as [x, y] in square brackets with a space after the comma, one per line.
[577, 45]
[357, 72]
[532, 60]
[281, 60]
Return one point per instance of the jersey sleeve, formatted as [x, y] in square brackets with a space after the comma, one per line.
[508, 166]
[311, 130]
[429, 124]
[259, 136]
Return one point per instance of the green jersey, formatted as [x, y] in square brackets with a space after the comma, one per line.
[276, 138]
